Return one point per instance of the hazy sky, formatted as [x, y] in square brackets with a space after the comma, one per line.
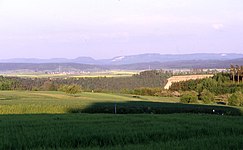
[107, 28]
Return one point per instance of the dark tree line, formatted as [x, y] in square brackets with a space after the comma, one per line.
[150, 79]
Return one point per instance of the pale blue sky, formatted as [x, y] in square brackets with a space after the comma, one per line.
[108, 28]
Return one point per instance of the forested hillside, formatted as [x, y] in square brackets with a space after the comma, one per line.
[151, 79]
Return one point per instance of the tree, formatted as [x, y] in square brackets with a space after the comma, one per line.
[206, 96]
[189, 97]
[6, 84]
[49, 86]
[71, 89]
[200, 88]
[236, 99]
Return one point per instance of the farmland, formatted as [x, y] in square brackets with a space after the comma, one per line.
[50, 102]
[26, 102]
[56, 120]
[110, 73]
[106, 131]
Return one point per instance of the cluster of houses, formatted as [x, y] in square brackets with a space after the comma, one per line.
[195, 71]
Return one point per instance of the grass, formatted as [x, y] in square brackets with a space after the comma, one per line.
[29, 102]
[49, 120]
[26, 102]
[107, 131]
[141, 107]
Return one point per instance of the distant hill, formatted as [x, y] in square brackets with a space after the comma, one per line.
[82, 60]
[50, 67]
[188, 64]
[136, 62]
[132, 59]
[145, 58]
[183, 64]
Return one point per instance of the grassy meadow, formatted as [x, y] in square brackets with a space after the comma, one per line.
[56, 120]
[29, 102]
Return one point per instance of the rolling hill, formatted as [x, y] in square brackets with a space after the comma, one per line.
[135, 62]
[131, 59]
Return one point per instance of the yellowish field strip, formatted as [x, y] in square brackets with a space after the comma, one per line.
[185, 78]
[113, 73]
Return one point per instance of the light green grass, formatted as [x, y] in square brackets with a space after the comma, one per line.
[28, 102]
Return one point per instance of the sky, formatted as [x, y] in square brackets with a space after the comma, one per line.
[109, 28]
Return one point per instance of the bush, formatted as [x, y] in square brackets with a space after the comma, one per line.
[164, 93]
[144, 91]
[189, 97]
[70, 89]
[207, 97]
[48, 86]
[236, 99]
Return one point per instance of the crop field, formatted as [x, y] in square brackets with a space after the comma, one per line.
[56, 120]
[107, 131]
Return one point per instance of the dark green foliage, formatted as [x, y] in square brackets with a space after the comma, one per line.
[218, 85]
[222, 78]
[7, 83]
[75, 131]
[236, 99]
[146, 79]
[185, 85]
[70, 89]
[189, 97]
[206, 96]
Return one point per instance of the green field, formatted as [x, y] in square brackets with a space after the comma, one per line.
[26, 102]
[55, 120]
[106, 131]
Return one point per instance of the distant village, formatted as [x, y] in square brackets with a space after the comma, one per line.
[195, 71]
[169, 71]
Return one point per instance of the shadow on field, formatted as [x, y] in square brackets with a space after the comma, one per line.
[141, 107]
